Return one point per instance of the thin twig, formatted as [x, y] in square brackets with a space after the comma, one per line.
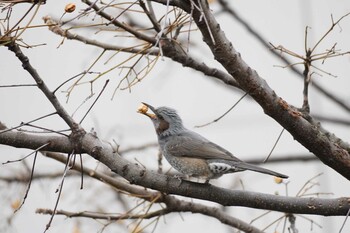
[21, 159]
[220, 117]
[66, 81]
[346, 218]
[60, 188]
[150, 14]
[30, 182]
[105, 216]
[57, 29]
[284, 159]
[329, 30]
[274, 146]
[46, 130]
[119, 24]
[306, 183]
[19, 85]
[137, 148]
[82, 174]
[92, 105]
[26, 123]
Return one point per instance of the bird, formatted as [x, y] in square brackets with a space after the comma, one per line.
[192, 154]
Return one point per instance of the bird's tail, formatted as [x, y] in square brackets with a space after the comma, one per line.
[251, 167]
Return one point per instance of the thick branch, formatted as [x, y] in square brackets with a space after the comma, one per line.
[308, 134]
[176, 53]
[173, 204]
[136, 174]
[118, 183]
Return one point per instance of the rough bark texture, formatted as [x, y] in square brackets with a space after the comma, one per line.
[136, 174]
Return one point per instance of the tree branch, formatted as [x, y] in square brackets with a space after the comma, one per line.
[184, 206]
[109, 217]
[263, 41]
[136, 174]
[170, 48]
[300, 125]
[173, 204]
[57, 29]
[114, 21]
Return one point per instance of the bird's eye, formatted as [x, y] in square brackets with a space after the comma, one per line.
[160, 117]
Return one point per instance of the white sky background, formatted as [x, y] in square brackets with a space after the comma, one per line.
[246, 131]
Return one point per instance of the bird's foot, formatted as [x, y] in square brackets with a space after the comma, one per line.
[180, 177]
[207, 182]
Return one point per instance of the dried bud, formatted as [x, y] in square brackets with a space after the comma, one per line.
[142, 109]
[16, 204]
[278, 180]
[70, 7]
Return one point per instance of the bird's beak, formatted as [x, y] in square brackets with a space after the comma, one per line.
[143, 109]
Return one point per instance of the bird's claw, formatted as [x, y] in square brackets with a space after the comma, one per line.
[180, 177]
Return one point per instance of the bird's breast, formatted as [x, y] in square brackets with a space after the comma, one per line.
[189, 166]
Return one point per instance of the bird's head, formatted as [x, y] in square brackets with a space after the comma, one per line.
[166, 121]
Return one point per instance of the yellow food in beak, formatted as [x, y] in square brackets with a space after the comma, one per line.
[143, 110]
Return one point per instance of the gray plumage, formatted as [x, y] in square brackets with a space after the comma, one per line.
[190, 153]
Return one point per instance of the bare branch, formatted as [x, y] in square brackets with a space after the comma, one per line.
[59, 190]
[264, 42]
[18, 85]
[114, 21]
[57, 29]
[173, 204]
[25, 178]
[29, 184]
[24, 1]
[220, 117]
[274, 146]
[184, 206]
[27, 123]
[283, 159]
[303, 128]
[96, 215]
[170, 48]
[34, 152]
[346, 218]
[136, 174]
[137, 148]
[92, 105]
[329, 30]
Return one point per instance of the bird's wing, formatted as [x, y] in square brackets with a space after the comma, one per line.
[195, 146]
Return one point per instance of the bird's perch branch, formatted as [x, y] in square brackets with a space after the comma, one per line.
[136, 174]
[173, 204]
